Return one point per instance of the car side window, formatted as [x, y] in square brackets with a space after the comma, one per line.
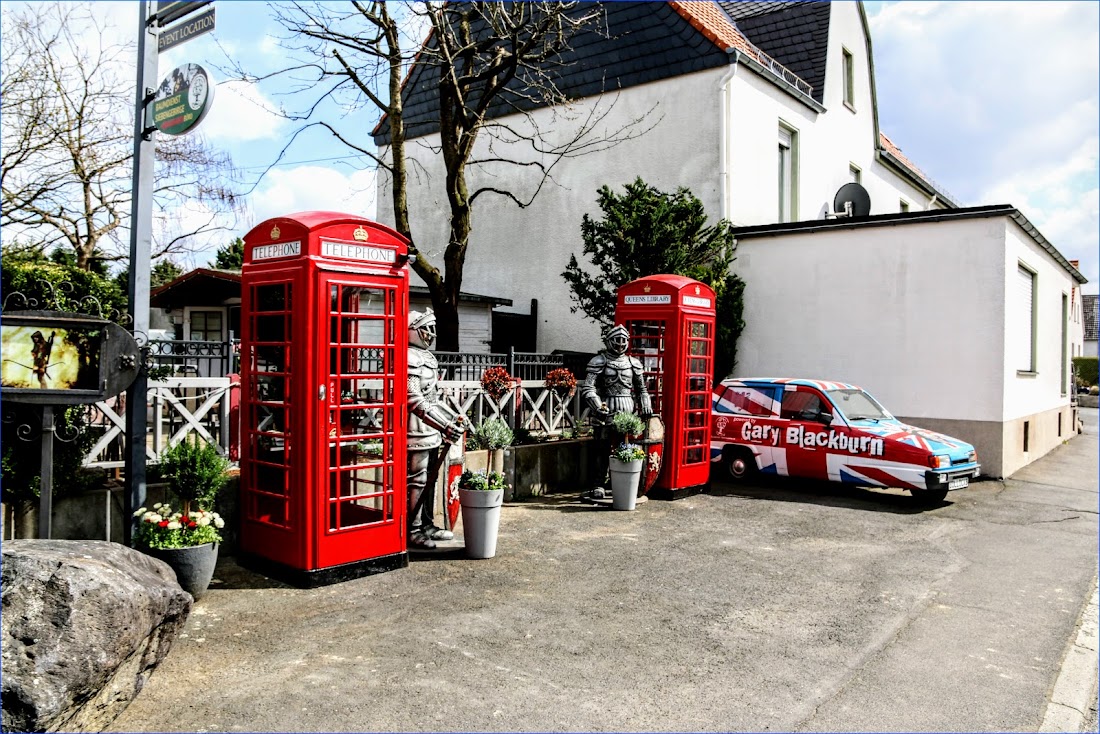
[803, 405]
[747, 400]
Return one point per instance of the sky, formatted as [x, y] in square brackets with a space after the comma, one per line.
[997, 102]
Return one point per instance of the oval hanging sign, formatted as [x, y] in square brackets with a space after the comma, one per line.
[182, 100]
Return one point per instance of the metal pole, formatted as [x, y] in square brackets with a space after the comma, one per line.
[141, 241]
[45, 482]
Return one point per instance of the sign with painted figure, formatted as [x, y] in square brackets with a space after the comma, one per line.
[64, 358]
[182, 100]
[833, 431]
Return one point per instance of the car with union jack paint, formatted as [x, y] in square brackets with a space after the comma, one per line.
[816, 429]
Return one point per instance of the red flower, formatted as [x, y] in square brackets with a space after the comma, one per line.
[496, 381]
[162, 524]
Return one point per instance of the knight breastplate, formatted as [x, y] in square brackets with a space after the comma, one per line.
[424, 367]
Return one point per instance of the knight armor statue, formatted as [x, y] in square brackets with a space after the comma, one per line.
[614, 383]
[430, 424]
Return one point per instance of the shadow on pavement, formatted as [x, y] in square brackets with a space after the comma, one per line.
[830, 494]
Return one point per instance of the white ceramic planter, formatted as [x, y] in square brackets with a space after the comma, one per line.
[480, 520]
[625, 476]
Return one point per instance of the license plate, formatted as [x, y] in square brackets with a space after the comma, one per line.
[959, 483]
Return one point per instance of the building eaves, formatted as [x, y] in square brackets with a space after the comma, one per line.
[901, 218]
[711, 20]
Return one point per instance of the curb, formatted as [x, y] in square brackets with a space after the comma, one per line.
[1076, 683]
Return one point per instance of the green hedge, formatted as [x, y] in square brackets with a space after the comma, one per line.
[1086, 369]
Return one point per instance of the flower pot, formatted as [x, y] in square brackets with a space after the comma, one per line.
[480, 520]
[194, 566]
[625, 476]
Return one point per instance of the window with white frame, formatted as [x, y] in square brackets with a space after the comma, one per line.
[1025, 318]
[903, 205]
[854, 174]
[849, 79]
[788, 173]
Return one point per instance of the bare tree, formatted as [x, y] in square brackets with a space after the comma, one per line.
[484, 60]
[67, 143]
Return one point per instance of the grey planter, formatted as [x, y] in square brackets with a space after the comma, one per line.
[194, 566]
[625, 476]
[480, 520]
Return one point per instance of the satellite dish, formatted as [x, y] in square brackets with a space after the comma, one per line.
[851, 200]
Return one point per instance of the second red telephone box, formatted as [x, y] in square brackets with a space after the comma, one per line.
[671, 323]
[324, 353]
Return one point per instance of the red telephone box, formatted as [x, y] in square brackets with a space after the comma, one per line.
[671, 323]
[324, 355]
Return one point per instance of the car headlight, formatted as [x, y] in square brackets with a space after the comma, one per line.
[972, 456]
[939, 461]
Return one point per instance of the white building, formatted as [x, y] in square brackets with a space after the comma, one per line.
[960, 321]
[763, 110]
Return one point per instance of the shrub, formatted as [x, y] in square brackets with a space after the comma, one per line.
[492, 434]
[1087, 369]
[195, 472]
[627, 424]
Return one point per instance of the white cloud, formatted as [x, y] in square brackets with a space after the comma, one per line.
[241, 113]
[998, 102]
[306, 188]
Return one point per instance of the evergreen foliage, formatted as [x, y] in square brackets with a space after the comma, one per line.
[230, 257]
[645, 231]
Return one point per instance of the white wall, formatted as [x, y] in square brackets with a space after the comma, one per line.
[1030, 394]
[520, 253]
[913, 313]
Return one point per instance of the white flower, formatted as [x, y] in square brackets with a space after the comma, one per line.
[153, 517]
[203, 521]
[140, 512]
[173, 525]
[219, 523]
[157, 505]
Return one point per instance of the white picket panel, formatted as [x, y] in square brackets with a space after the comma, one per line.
[190, 402]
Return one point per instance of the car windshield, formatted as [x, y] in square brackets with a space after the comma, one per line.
[857, 405]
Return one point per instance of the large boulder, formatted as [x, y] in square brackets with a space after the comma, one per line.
[85, 622]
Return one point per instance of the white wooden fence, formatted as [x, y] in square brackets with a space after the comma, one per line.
[182, 406]
[178, 407]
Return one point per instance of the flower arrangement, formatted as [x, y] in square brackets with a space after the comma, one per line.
[627, 452]
[627, 424]
[561, 381]
[481, 480]
[496, 381]
[161, 528]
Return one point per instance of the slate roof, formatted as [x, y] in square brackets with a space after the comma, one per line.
[639, 42]
[796, 34]
[1090, 304]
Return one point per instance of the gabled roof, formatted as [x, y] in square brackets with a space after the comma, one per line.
[637, 43]
[1090, 303]
[796, 34]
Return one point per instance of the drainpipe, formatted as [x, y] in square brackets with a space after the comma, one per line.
[723, 136]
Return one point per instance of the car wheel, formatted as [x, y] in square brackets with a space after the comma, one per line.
[741, 464]
[929, 496]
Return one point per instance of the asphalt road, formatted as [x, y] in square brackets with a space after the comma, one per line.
[780, 606]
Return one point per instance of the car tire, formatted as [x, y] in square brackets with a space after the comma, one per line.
[929, 496]
[740, 464]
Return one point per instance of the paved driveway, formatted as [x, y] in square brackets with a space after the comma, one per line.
[775, 607]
